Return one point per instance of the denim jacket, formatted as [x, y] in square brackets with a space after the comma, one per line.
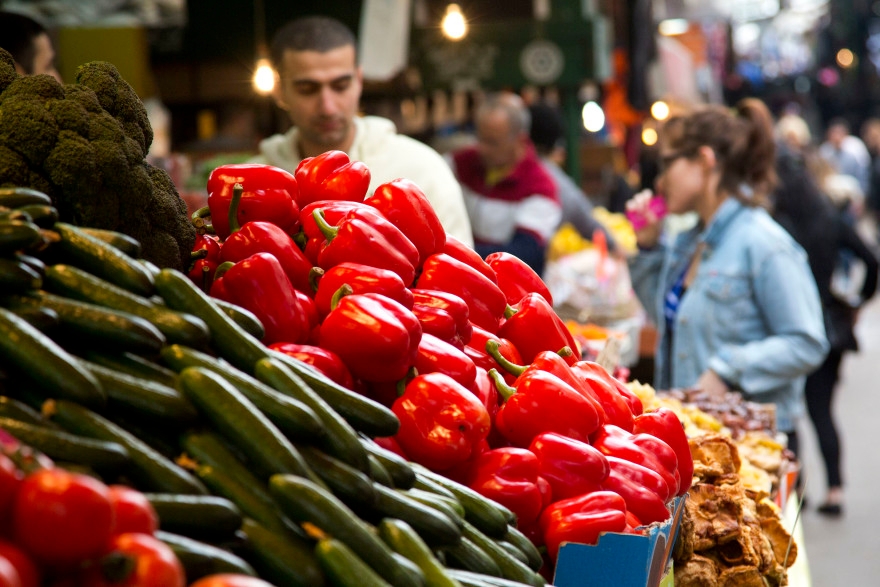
[751, 314]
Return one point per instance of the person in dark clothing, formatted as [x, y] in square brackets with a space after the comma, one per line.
[813, 221]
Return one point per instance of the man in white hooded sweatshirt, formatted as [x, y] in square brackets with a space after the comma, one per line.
[319, 84]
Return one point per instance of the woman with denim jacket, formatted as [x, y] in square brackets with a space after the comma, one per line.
[734, 301]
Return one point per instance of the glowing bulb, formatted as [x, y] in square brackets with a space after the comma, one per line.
[264, 77]
[593, 116]
[649, 137]
[454, 25]
[660, 110]
[845, 58]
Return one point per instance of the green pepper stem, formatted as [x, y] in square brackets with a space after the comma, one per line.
[116, 567]
[504, 390]
[207, 278]
[328, 231]
[223, 268]
[237, 190]
[340, 293]
[509, 311]
[401, 384]
[565, 352]
[494, 350]
[201, 213]
[200, 254]
[315, 275]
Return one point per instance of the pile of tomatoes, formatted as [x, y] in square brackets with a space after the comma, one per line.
[65, 529]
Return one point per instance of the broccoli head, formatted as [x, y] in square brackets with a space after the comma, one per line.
[84, 145]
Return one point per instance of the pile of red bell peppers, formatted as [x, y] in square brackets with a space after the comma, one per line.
[468, 352]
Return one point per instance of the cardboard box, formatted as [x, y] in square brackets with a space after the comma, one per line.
[622, 560]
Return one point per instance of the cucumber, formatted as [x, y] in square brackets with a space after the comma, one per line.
[101, 259]
[45, 363]
[16, 235]
[18, 277]
[43, 215]
[521, 541]
[226, 476]
[238, 420]
[303, 501]
[63, 446]
[281, 559]
[71, 282]
[149, 469]
[511, 567]
[9, 215]
[434, 527]
[97, 325]
[401, 537]
[41, 318]
[343, 567]
[15, 197]
[471, 579]
[33, 262]
[398, 467]
[364, 414]
[201, 560]
[141, 396]
[340, 439]
[234, 344]
[487, 515]
[246, 319]
[468, 556]
[346, 482]
[513, 551]
[378, 472]
[205, 517]
[295, 419]
[118, 240]
[134, 365]
[12, 408]
[451, 508]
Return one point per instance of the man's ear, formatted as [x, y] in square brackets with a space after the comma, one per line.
[277, 94]
[707, 156]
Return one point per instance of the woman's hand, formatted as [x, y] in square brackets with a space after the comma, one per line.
[648, 234]
[712, 385]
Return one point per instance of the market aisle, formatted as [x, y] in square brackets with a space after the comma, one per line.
[845, 551]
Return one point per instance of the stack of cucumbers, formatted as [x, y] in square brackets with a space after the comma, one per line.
[255, 462]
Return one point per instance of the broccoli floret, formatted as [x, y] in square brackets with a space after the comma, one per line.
[102, 126]
[7, 69]
[27, 128]
[72, 163]
[14, 169]
[118, 98]
[41, 86]
[69, 116]
[83, 96]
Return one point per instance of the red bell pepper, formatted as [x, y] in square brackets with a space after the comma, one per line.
[595, 377]
[640, 487]
[458, 250]
[365, 236]
[485, 301]
[463, 471]
[484, 389]
[542, 402]
[361, 279]
[630, 399]
[376, 337]
[269, 194]
[510, 476]
[552, 363]
[325, 361]
[441, 422]
[331, 210]
[444, 315]
[664, 424]
[516, 278]
[331, 176]
[642, 449]
[206, 258]
[259, 284]
[438, 356]
[476, 349]
[535, 327]
[404, 204]
[572, 467]
[582, 519]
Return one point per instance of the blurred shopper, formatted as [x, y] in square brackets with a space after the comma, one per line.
[547, 133]
[871, 137]
[846, 153]
[29, 44]
[511, 200]
[735, 304]
[819, 227]
[319, 85]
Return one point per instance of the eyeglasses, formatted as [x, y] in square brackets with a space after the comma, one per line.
[666, 161]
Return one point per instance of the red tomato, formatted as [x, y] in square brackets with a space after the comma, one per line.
[155, 564]
[62, 518]
[230, 580]
[134, 512]
[24, 566]
[10, 479]
[8, 575]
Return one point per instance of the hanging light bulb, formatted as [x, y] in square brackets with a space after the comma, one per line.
[264, 77]
[454, 25]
